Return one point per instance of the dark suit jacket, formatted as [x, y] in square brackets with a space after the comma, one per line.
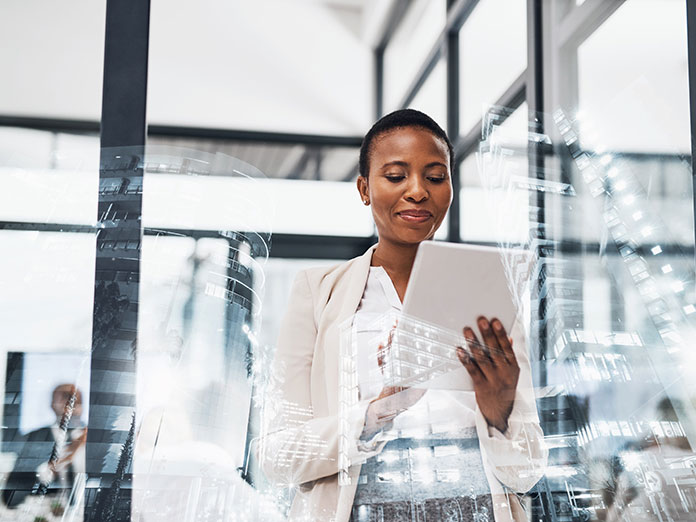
[37, 448]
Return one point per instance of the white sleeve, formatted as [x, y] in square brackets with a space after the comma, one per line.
[519, 456]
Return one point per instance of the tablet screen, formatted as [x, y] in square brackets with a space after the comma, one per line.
[451, 285]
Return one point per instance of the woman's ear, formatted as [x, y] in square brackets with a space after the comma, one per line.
[363, 189]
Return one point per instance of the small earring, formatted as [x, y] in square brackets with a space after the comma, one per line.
[366, 202]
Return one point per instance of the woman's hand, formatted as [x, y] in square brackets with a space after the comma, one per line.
[493, 367]
[392, 400]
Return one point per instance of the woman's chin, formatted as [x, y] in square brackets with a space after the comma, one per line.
[414, 237]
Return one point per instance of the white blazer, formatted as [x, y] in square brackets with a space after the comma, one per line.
[300, 442]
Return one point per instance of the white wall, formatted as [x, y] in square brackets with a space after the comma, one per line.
[51, 58]
[263, 64]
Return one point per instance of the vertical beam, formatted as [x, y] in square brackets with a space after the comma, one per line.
[111, 432]
[535, 102]
[454, 232]
[125, 73]
[379, 82]
[691, 41]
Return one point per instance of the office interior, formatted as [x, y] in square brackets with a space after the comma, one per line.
[150, 245]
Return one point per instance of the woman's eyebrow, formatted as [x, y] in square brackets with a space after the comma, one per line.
[406, 164]
[435, 164]
[396, 162]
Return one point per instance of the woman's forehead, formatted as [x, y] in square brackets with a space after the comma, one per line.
[409, 140]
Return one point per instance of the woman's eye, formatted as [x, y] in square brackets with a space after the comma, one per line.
[436, 179]
[395, 178]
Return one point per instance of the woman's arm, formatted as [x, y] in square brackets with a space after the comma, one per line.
[297, 447]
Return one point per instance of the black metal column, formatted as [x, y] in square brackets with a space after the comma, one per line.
[379, 82]
[691, 39]
[454, 232]
[111, 430]
[535, 102]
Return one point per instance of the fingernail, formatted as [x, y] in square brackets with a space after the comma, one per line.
[483, 322]
[497, 325]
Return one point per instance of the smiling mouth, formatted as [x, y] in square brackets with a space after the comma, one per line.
[415, 216]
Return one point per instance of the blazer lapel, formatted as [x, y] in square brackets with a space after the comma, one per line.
[356, 279]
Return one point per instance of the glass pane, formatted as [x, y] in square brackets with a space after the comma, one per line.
[49, 177]
[278, 161]
[477, 222]
[488, 62]
[216, 192]
[432, 96]
[651, 45]
[409, 47]
[655, 140]
[47, 290]
[621, 303]
[46, 318]
[293, 207]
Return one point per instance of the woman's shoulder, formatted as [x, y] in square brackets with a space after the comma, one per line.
[318, 274]
[327, 277]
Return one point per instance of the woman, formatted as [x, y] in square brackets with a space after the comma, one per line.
[405, 169]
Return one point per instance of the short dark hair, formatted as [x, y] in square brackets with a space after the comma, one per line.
[399, 120]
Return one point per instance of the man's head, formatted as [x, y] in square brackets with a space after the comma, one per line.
[61, 397]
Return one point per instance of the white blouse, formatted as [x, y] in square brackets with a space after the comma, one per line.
[379, 298]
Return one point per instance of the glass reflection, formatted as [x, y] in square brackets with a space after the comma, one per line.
[46, 431]
[612, 323]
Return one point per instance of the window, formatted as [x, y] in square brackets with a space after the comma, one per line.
[492, 54]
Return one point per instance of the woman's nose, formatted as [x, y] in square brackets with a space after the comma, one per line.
[415, 190]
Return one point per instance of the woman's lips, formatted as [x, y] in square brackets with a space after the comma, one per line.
[415, 216]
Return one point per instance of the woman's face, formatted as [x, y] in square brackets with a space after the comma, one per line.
[408, 186]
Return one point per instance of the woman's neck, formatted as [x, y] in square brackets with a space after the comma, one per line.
[397, 260]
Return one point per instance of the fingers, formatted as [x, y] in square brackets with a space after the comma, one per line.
[394, 400]
[383, 349]
[389, 390]
[490, 341]
[380, 356]
[470, 365]
[477, 354]
[504, 342]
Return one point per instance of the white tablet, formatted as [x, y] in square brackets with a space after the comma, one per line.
[451, 285]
